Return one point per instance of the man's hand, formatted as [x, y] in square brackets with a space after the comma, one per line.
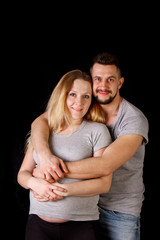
[52, 167]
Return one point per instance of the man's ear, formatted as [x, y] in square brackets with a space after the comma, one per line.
[121, 81]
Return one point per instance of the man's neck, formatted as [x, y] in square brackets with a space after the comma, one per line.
[111, 110]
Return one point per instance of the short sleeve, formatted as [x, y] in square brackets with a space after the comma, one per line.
[101, 137]
[137, 124]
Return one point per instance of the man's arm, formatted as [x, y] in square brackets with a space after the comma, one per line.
[85, 188]
[49, 164]
[115, 155]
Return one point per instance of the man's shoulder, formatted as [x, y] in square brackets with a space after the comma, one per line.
[131, 121]
[129, 110]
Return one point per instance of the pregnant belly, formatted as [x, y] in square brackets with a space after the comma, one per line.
[53, 220]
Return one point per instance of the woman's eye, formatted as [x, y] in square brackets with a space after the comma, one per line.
[72, 94]
[86, 96]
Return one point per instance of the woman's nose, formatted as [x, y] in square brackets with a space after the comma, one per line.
[79, 100]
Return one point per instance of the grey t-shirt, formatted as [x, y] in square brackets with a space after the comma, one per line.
[126, 192]
[89, 138]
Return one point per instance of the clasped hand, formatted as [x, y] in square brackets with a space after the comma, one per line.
[52, 167]
[46, 189]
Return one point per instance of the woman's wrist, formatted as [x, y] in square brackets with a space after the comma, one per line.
[31, 182]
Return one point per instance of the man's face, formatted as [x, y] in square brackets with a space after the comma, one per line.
[106, 82]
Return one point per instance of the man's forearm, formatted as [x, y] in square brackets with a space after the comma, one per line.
[52, 166]
[115, 155]
[40, 135]
[87, 168]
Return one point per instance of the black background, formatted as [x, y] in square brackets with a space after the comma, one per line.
[37, 50]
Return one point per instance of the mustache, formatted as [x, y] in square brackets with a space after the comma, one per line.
[100, 90]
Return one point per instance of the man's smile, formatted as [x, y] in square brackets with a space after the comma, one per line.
[103, 92]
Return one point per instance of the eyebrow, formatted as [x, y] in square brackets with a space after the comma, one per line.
[76, 91]
[112, 76]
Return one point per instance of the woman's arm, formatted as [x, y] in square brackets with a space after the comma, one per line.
[25, 173]
[26, 180]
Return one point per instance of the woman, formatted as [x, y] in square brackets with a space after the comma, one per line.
[73, 137]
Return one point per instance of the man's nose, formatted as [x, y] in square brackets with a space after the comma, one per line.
[104, 83]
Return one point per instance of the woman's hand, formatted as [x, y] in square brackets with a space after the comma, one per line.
[44, 191]
[46, 199]
[59, 187]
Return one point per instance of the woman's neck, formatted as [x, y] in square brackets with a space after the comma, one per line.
[72, 127]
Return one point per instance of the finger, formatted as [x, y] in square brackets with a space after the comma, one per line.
[58, 188]
[53, 174]
[42, 174]
[58, 197]
[36, 195]
[47, 175]
[51, 180]
[40, 198]
[59, 172]
[60, 193]
[52, 194]
[63, 166]
[51, 199]
[43, 199]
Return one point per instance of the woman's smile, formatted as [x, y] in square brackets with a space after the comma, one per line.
[79, 99]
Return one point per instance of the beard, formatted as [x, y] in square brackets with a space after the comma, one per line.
[107, 101]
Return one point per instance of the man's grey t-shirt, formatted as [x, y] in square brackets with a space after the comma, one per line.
[83, 143]
[126, 192]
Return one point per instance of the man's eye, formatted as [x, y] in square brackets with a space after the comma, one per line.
[110, 79]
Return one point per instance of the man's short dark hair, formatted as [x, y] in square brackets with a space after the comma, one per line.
[106, 59]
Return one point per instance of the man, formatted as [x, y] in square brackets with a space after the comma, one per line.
[120, 208]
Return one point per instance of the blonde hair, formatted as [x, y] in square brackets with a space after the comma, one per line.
[58, 115]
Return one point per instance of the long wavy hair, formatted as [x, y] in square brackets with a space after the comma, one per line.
[58, 114]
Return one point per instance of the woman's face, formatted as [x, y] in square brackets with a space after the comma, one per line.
[79, 99]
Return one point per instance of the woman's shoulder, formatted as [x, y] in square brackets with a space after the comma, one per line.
[93, 126]
[98, 132]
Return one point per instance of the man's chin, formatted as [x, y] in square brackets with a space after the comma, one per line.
[104, 102]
